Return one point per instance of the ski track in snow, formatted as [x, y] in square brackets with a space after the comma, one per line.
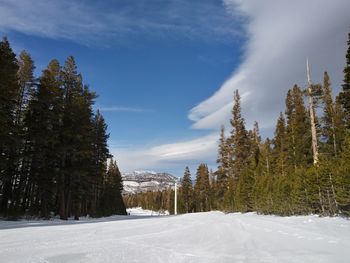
[201, 237]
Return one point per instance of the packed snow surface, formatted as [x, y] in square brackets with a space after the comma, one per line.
[201, 237]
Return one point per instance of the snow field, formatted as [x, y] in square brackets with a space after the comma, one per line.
[201, 237]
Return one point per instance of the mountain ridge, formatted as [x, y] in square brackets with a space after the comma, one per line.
[143, 181]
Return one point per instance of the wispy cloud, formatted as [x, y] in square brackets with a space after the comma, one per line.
[170, 156]
[110, 22]
[123, 109]
[281, 34]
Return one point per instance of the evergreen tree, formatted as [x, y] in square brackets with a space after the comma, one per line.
[279, 147]
[99, 158]
[344, 96]
[42, 140]
[261, 198]
[8, 138]
[255, 143]
[223, 160]
[26, 89]
[186, 191]
[243, 192]
[297, 131]
[76, 136]
[223, 170]
[53, 149]
[26, 80]
[342, 179]
[339, 124]
[328, 129]
[265, 158]
[238, 142]
[202, 189]
[111, 200]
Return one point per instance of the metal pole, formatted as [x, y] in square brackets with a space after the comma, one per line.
[175, 206]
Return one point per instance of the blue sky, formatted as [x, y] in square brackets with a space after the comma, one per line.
[165, 70]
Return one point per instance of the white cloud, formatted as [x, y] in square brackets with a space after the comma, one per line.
[172, 157]
[281, 34]
[111, 22]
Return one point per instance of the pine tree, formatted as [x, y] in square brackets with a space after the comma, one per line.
[202, 189]
[262, 191]
[223, 170]
[285, 179]
[99, 160]
[339, 124]
[243, 191]
[255, 143]
[279, 147]
[327, 181]
[344, 96]
[42, 140]
[26, 89]
[265, 158]
[26, 80]
[342, 179]
[223, 157]
[8, 139]
[111, 201]
[238, 142]
[186, 191]
[76, 136]
[53, 149]
[328, 129]
[297, 131]
[245, 185]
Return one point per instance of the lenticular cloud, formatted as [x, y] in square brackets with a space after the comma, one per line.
[281, 34]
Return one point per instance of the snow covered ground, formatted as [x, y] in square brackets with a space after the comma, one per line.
[202, 237]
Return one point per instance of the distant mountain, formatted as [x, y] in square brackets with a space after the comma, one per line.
[143, 181]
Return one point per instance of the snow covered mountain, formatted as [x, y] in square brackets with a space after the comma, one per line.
[142, 181]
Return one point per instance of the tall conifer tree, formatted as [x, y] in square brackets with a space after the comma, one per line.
[328, 120]
[186, 191]
[297, 130]
[279, 147]
[43, 139]
[238, 141]
[9, 140]
[202, 189]
[345, 94]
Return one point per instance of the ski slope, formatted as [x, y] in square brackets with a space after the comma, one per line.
[202, 237]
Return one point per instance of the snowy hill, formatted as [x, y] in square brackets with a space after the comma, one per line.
[142, 181]
[202, 237]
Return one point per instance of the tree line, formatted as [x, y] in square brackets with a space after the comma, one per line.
[53, 146]
[303, 169]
